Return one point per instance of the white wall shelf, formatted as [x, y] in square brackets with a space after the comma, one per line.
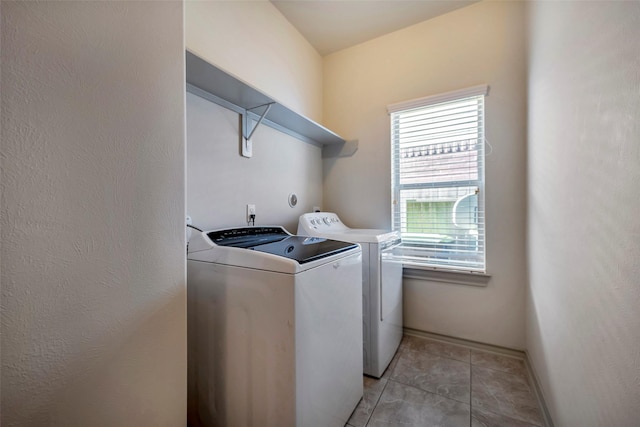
[210, 82]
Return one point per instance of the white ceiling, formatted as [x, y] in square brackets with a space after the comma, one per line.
[332, 25]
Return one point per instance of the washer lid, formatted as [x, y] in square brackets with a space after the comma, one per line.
[268, 248]
[276, 241]
[247, 237]
[305, 249]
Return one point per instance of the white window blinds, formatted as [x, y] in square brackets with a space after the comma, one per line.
[438, 179]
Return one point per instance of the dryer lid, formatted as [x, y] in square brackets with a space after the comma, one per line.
[327, 224]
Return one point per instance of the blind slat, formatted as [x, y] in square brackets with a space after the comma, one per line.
[438, 183]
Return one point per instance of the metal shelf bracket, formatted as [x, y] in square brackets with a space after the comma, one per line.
[246, 131]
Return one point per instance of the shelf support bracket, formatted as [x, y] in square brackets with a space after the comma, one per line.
[346, 149]
[245, 118]
[247, 133]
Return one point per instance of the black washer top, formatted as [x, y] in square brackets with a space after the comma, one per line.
[276, 241]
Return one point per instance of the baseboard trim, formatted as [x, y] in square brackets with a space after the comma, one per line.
[468, 343]
[505, 351]
[533, 377]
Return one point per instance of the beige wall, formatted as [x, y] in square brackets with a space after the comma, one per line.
[220, 183]
[482, 43]
[254, 42]
[93, 271]
[583, 321]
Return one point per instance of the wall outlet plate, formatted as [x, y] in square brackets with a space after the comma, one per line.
[251, 210]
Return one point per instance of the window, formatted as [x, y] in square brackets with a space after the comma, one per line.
[438, 179]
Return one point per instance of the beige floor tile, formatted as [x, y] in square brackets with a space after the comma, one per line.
[431, 383]
[402, 405]
[446, 377]
[372, 390]
[387, 373]
[437, 348]
[499, 362]
[480, 418]
[504, 393]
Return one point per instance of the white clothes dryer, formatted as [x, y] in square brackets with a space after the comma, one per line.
[274, 329]
[381, 285]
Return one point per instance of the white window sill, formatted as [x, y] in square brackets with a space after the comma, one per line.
[447, 276]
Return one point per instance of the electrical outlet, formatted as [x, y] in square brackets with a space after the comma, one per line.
[251, 210]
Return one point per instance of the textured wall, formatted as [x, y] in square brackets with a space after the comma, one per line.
[584, 229]
[482, 43]
[93, 271]
[253, 41]
[220, 182]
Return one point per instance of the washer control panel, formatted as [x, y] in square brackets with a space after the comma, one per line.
[322, 221]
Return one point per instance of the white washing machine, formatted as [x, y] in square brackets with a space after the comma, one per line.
[274, 329]
[381, 285]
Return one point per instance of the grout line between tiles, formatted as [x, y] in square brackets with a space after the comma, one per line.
[377, 401]
[493, 411]
[471, 346]
[488, 348]
[499, 411]
[427, 391]
[435, 354]
[470, 392]
[505, 372]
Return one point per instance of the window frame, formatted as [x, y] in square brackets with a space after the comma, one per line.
[415, 254]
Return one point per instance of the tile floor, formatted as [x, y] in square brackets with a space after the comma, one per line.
[431, 383]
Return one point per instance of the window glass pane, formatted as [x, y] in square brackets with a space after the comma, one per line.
[437, 182]
[439, 215]
[432, 163]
